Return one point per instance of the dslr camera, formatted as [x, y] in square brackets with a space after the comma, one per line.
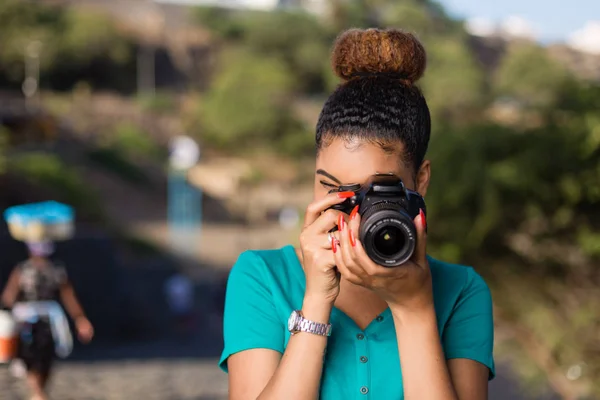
[387, 210]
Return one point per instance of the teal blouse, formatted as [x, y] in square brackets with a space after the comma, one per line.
[265, 286]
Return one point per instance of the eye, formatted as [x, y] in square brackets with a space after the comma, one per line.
[328, 185]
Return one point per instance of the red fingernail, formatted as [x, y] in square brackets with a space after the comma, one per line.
[345, 195]
[333, 244]
[423, 220]
[352, 239]
[354, 212]
[341, 222]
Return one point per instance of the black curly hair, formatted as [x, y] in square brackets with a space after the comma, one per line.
[378, 102]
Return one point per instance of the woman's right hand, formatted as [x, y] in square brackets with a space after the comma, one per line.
[322, 277]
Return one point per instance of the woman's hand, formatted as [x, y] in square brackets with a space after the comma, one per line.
[85, 330]
[406, 287]
[322, 277]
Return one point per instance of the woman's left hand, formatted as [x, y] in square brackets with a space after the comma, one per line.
[407, 286]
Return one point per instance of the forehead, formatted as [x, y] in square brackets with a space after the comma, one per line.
[356, 161]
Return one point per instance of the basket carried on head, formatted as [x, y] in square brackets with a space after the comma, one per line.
[40, 222]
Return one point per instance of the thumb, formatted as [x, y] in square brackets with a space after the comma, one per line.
[420, 254]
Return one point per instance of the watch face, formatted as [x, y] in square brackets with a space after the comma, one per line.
[292, 321]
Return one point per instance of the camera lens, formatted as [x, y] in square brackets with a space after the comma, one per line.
[388, 234]
[389, 240]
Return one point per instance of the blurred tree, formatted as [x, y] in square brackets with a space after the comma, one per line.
[223, 22]
[523, 208]
[297, 38]
[529, 75]
[65, 183]
[453, 82]
[75, 45]
[248, 103]
[347, 14]
[409, 15]
[87, 36]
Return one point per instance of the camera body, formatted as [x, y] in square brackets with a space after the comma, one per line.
[387, 209]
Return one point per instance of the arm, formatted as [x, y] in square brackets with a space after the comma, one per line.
[468, 339]
[69, 300]
[265, 374]
[254, 332]
[408, 290]
[85, 329]
[467, 346]
[9, 295]
[424, 370]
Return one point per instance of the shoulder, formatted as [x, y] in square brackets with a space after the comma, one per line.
[456, 283]
[265, 264]
[456, 276]
[23, 265]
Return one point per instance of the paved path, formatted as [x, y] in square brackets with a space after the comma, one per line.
[193, 379]
[128, 380]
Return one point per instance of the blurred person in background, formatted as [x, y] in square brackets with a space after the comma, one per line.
[38, 279]
[179, 291]
[324, 320]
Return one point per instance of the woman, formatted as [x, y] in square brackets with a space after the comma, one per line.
[420, 331]
[38, 279]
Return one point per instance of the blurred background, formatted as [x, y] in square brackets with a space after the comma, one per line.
[181, 131]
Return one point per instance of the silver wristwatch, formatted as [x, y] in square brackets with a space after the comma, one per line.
[297, 323]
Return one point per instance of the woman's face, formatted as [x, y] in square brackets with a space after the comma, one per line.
[342, 162]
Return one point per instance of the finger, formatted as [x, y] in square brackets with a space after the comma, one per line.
[367, 265]
[420, 255]
[314, 210]
[354, 223]
[348, 241]
[325, 259]
[326, 222]
[346, 273]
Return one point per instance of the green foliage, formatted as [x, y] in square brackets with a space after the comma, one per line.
[528, 74]
[453, 81]
[131, 140]
[248, 103]
[70, 43]
[159, 103]
[122, 146]
[408, 15]
[114, 161]
[87, 36]
[523, 207]
[48, 171]
[298, 39]
[220, 21]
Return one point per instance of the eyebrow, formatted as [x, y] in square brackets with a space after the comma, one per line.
[328, 175]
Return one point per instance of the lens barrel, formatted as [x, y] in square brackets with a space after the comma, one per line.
[388, 234]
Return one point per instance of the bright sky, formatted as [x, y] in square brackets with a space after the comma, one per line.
[552, 19]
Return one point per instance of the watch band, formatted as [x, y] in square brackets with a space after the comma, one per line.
[301, 324]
